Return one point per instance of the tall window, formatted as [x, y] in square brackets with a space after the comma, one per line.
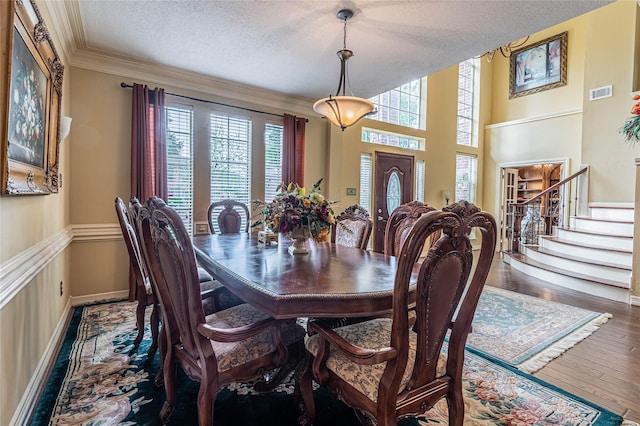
[179, 123]
[272, 160]
[366, 165]
[466, 87]
[381, 137]
[466, 177]
[230, 158]
[420, 180]
[402, 105]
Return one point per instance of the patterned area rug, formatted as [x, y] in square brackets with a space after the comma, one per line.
[100, 379]
[527, 332]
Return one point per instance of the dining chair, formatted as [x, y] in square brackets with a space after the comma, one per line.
[215, 296]
[399, 224]
[237, 344]
[391, 368]
[139, 286]
[230, 216]
[352, 228]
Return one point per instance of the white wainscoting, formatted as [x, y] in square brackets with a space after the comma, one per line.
[20, 270]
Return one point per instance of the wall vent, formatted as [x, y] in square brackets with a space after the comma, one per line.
[601, 92]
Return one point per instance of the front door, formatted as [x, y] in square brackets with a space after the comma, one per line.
[393, 185]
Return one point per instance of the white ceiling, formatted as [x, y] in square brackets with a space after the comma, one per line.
[290, 46]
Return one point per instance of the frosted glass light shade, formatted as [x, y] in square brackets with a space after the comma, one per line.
[65, 127]
[343, 111]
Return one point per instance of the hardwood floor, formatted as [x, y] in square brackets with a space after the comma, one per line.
[605, 367]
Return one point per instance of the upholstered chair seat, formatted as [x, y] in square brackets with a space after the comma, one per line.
[350, 232]
[233, 354]
[373, 334]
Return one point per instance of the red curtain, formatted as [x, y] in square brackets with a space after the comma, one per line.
[293, 150]
[148, 144]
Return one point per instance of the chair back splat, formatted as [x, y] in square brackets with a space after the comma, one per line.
[231, 217]
[399, 224]
[390, 368]
[236, 344]
[352, 228]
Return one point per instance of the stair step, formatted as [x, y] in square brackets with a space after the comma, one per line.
[620, 211]
[594, 238]
[595, 268]
[526, 260]
[586, 245]
[615, 227]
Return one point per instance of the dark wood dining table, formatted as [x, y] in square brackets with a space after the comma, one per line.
[330, 281]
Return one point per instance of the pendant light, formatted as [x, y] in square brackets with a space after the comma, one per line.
[342, 110]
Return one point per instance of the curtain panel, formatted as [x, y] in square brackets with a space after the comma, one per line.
[293, 136]
[148, 144]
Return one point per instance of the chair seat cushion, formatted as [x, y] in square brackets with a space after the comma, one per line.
[233, 354]
[373, 334]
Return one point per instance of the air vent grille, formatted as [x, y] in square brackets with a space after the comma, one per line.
[601, 92]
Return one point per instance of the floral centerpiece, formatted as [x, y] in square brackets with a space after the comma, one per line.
[631, 129]
[297, 213]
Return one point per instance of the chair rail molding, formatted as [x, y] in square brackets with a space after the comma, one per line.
[21, 269]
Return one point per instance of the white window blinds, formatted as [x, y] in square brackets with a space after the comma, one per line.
[366, 166]
[272, 160]
[230, 144]
[179, 123]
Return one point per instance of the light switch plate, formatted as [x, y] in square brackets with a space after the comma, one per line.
[352, 191]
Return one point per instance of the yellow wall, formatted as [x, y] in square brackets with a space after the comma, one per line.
[29, 319]
[95, 163]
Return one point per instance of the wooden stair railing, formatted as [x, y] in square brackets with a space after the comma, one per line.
[539, 214]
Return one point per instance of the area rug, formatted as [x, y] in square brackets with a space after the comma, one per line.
[527, 332]
[100, 379]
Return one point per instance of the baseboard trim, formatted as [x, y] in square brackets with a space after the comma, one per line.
[100, 297]
[635, 300]
[38, 381]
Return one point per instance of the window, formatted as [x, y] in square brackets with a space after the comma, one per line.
[466, 177]
[466, 87]
[272, 160]
[179, 123]
[392, 139]
[365, 180]
[420, 180]
[402, 105]
[230, 145]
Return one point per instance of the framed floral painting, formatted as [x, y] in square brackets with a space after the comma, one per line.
[31, 101]
[537, 67]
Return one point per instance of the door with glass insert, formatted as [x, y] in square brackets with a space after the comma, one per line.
[393, 185]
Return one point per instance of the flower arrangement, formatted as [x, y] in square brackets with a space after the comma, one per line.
[295, 212]
[631, 129]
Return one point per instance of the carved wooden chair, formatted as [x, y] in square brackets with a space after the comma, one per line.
[399, 224]
[387, 368]
[231, 216]
[140, 287]
[237, 344]
[353, 227]
[215, 296]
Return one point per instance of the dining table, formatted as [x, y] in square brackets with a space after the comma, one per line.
[330, 281]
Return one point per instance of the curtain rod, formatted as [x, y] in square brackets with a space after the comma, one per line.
[127, 86]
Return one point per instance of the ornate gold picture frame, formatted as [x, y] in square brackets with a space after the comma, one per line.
[537, 67]
[30, 92]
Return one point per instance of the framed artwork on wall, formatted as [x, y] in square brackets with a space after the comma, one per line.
[31, 100]
[538, 67]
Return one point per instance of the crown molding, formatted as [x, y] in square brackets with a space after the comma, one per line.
[95, 60]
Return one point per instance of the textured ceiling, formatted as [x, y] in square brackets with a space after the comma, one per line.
[290, 46]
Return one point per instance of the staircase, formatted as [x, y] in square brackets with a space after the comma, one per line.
[593, 255]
